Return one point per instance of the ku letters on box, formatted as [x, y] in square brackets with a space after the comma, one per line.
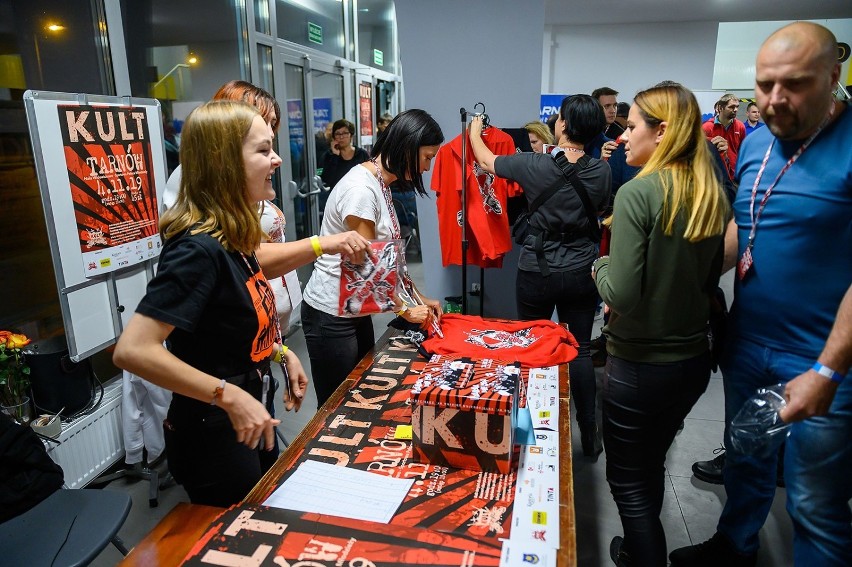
[464, 412]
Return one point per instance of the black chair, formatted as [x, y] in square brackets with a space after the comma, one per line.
[68, 528]
[140, 471]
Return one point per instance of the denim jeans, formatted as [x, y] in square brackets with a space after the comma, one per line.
[574, 296]
[643, 407]
[335, 346]
[817, 463]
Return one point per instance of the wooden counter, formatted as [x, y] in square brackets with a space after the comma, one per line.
[172, 539]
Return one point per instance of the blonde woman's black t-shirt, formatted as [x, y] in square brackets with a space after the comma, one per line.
[221, 308]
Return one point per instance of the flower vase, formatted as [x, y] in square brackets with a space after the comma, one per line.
[22, 412]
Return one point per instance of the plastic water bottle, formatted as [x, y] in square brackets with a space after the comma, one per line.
[757, 429]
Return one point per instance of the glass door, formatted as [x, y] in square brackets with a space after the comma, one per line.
[313, 100]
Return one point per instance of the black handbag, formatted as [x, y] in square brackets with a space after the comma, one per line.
[718, 326]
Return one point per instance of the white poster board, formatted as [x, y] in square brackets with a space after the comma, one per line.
[101, 170]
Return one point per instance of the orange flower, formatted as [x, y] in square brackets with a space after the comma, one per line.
[4, 336]
[17, 341]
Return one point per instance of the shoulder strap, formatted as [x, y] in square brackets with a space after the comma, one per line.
[570, 174]
[544, 196]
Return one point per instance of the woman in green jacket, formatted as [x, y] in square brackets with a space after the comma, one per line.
[666, 252]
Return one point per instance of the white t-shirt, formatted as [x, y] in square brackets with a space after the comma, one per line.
[288, 293]
[358, 194]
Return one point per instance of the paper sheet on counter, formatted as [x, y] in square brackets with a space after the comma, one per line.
[341, 491]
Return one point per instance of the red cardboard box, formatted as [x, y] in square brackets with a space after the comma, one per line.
[464, 411]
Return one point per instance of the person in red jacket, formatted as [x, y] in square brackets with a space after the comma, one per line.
[725, 131]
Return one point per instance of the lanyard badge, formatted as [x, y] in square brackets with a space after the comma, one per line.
[746, 261]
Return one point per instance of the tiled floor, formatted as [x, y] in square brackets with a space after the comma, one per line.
[690, 510]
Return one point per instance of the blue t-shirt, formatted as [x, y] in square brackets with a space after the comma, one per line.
[750, 128]
[803, 247]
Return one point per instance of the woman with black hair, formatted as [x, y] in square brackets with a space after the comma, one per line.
[342, 155]
[557, 254]
[361, 201]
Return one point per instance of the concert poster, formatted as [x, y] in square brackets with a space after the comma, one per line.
[108, 154]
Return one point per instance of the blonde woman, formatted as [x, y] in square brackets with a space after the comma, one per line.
[539, 135]
[666, 254]
[213, 305]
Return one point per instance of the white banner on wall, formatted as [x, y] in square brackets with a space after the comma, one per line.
[737, 44]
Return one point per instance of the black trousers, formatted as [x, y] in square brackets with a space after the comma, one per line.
[335, 346]
[204, 455]
[643, 407]
[574, 296]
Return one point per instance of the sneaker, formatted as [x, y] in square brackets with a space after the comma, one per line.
[599, 343]
[599, 358]
[710, 471]
[718, 550]
[618, 557]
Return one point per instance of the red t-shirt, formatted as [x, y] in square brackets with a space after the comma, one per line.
[534, 344]
[733, 134]
[488, 232]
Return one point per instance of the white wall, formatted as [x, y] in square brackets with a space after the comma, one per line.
[628, 57]
[455, 54]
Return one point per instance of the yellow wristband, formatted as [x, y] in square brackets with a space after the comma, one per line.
[402, 310]
[279, 356]
[315, 244]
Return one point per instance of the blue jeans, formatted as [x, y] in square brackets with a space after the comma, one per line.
[573, 294]
[817, 463]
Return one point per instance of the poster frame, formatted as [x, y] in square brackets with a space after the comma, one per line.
[94, 310]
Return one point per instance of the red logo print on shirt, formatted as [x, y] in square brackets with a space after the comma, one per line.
[495, 339]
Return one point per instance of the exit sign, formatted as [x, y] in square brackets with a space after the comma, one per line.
[378, 57]
[315, 33]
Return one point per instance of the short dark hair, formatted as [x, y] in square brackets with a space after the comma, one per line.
[343, 123]
[622, 110]
[603, 91]
[551, 123]
[584, 118]
[749, 105]
[400, 143]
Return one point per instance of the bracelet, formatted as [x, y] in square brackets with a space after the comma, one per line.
[217, 392]
[824, 370]
[595, 263]
[402, 310]
[315, 244]
[279, 355]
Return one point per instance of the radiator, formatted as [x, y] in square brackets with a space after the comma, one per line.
[91, 444]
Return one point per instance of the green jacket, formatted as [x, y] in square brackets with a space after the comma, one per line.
[656, 285]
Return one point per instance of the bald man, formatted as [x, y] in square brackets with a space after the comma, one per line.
[791, 323]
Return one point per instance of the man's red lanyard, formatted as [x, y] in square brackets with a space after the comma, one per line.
[746, 260]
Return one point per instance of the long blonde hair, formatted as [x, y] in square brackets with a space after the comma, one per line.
[691, 188]
[541, 131]
[213, 197]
